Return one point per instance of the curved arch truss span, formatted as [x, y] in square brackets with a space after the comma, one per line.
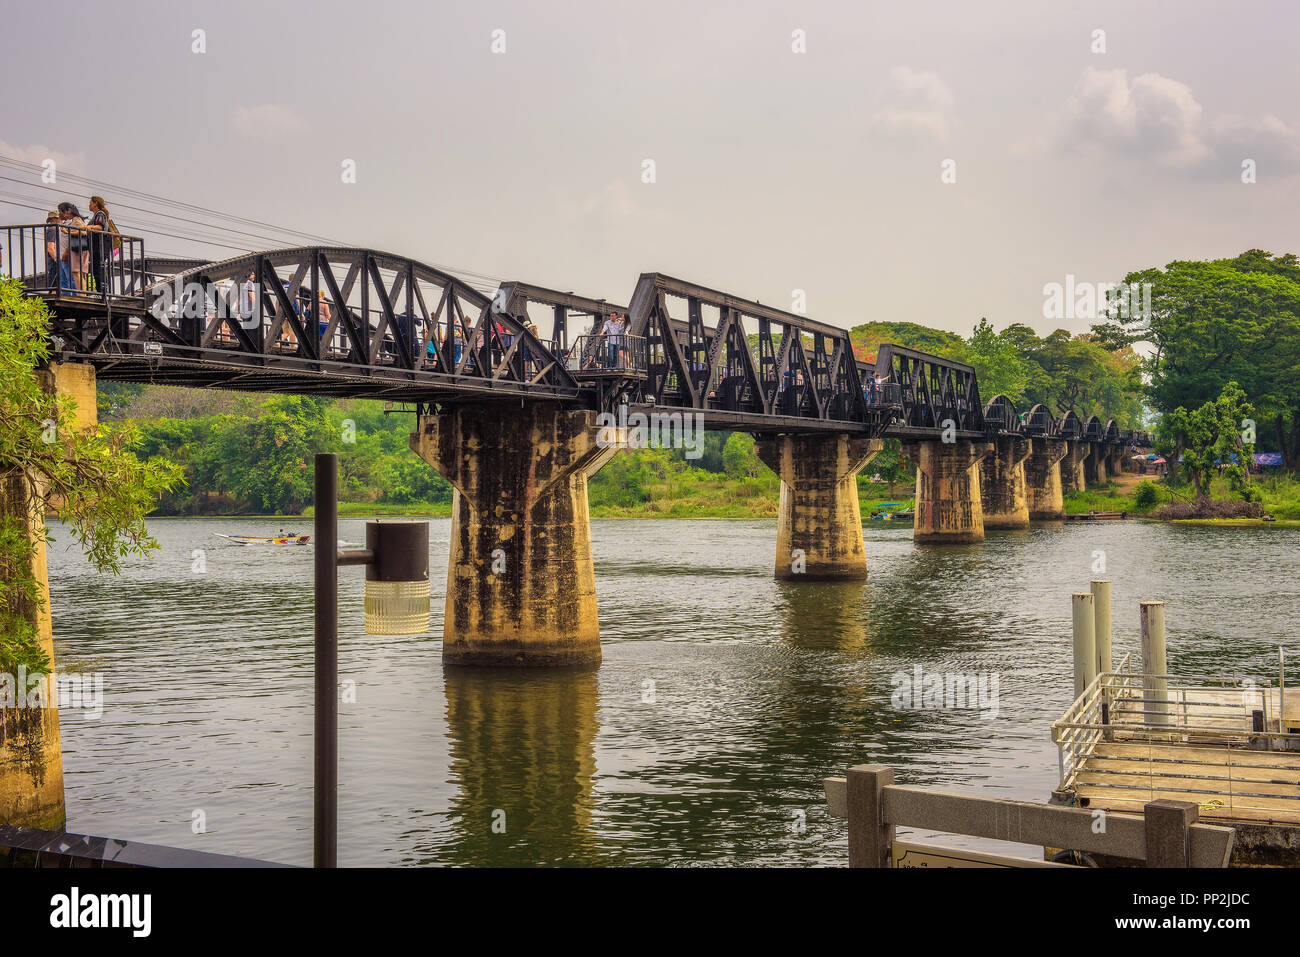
[330, 320]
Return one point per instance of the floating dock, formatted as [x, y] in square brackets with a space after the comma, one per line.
[1227, 744]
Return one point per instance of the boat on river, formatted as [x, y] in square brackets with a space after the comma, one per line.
[892, 512]
[1096, 516]
[257, 540]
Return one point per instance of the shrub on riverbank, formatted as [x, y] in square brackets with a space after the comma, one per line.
[1209, 508]
[1107, 498]
[1276, 495]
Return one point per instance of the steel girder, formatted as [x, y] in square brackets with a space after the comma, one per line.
[325, 320]
[797, 368]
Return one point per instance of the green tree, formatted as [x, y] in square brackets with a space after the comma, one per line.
[267, 463]
[999, 366]
[890, 465]
[739, 458]
[1212, 436]
[98, 488]
[1211, 322]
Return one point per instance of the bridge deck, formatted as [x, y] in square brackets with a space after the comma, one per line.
[342, 322]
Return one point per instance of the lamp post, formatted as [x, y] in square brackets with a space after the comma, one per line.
[396, 557]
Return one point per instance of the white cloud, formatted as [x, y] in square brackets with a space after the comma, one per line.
[39, 153]
[1267, 140]
[1151, 116]
[1158, 118]
[267, 121]
[917, 102]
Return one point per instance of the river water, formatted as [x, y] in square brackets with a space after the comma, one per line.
[724, 699]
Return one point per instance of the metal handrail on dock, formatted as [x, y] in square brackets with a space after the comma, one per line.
[1131, 737]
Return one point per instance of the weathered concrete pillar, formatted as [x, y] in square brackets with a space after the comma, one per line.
[1043, 480]
[1072, 477]
[31, 748]
[948, 506]
[1090, 456]
[1118, 460]
[521, 588]
[819, 530]
[1003, 493]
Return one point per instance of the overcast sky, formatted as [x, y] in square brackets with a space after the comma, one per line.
[774, 170]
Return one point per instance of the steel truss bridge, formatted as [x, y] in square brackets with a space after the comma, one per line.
[361, 323]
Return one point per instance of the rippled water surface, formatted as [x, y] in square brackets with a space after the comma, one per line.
[760, 689]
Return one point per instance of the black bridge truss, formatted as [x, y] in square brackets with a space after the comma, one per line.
[361, 323]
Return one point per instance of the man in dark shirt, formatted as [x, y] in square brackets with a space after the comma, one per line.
[52, 251]
[100, 242]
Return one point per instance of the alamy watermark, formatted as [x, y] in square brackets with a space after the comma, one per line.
[75, 692]
[1074, 299]
[657, 430]
[196, 300]
[939, 691]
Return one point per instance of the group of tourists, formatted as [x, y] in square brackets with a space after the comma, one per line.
[871, 389]
[79, 248]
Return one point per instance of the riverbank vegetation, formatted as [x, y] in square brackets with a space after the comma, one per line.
[253, 455]
[1212, 364]
[49, 464]
[1274, 495]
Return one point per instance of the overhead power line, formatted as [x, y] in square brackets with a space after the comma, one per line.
[198, 219]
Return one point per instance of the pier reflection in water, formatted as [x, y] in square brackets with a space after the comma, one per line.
[724, 697]
[523, 758]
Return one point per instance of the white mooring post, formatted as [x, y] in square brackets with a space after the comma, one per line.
[1085, 642]
[1152, 615]
[1281, 690]
[1101, 607]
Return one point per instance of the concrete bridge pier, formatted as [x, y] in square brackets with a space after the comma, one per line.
[1117, 460]
[1043, 470]
[819, 528]
[1090, 463]
[1003, 493]
[1095, 468]
[1072, 469]
[31, 747]
[521, 588]
[949, 510]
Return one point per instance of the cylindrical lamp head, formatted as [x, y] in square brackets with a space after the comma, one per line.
[397, 580]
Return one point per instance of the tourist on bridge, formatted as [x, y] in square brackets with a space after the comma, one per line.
[612, 332]
[56, 272]
[73, 247]
[101, 245]
[434, 341]
[532, 331]
[248, 297]
[322, 313]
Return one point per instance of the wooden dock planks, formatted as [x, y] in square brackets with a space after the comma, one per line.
[1228, 783]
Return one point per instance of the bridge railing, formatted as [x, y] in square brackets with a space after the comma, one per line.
[55, 260]
[607, 355]
[887, 395]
